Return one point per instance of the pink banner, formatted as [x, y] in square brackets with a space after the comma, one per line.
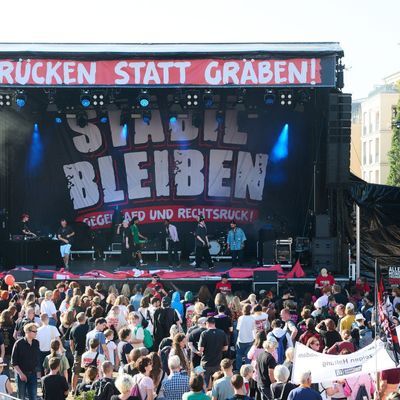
[209, 72]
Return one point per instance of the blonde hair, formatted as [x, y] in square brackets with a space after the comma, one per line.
[124, 383]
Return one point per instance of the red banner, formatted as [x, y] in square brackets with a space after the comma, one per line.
[201, 72]
[151, 215]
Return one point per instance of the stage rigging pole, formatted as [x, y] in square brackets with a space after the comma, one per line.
[358, 242]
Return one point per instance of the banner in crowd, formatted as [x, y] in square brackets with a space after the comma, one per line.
[170, 72]
[328, 368]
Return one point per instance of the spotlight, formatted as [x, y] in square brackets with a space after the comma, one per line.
[192, 99]
[269, 97]
[285, 98]
[208, 99]
[146, 116]
[103, 118]
[172, 119]
[81, 119]
[220, 117]
[5, 100]
[98, 99]
[85, 98]
[144, 99]
[58, 120]
[124, 118]
[21, 99]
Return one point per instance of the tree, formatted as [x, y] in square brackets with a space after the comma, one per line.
[394, 153]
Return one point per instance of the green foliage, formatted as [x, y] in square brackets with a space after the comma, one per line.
[394, 153]
[86, 395]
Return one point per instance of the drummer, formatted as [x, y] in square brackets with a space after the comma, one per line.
[235, 244]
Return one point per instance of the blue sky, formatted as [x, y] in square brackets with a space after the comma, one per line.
[368, 30]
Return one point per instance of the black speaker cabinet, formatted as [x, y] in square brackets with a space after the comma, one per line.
[22, 276]
[265, 280]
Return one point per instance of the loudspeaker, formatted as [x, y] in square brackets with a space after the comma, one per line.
[322, 224]
[22, 276]
[339, 133]
[324, 261]
[265, 276]
[325, 247]
[268, 252]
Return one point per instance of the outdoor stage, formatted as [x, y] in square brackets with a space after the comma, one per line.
[97, 134]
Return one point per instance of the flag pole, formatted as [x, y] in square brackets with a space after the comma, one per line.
[377, 392]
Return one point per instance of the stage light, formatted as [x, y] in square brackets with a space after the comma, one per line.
[36, 151]
[21, 99]
[98, 99]
[125, 117]
[192, 99]
[5, 100]
[85, 98]
[82, 119]
[286, 98]
[220, 117]
[208, 99]
[143, 99]
[102, 117]
[58, 120]
[280, 150]
[269, 97]
[146, 116]
[172, 119]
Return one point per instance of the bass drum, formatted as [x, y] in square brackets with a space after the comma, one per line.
[215, 248]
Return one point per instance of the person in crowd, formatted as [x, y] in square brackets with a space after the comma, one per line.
[45, 334]
[389, 382]
[246, 328]
[125, 231]
[167, 341]
[327, 329]
[29, 318]
[138, 240]
[7, 327]
[177, 383]
[361, 387]
[266, 364]
[281, 388]
[338, 295]
[222, 388]
[104, 387]
[124, 384]
[344, 344]
[92, 357]
[193, 341]
[78, 346]
[98, 333]
[56, 352]
[89, 378]
[179, 349]
[24, 359]
[224, 321]
[137, 331]
[202, 245]
[156, 287]
[65, 235]
[324, 279]
[311, 333]
[247, 373]
[289, 325]
[48, 307]
[137, 296]
[196, 385]
[142, 379]
[6, 386]
[173, 243]
[347, 321]
[112, 348]
[304, 391]
[238, 388]
[255, 350]
[235, 243]
[365, 336]
[145, 313]
[188, 310]
[282, 337]
[176, 304]
[223, 286]
[164, 318]
[212, 344]
[124, 346]
[54, 385]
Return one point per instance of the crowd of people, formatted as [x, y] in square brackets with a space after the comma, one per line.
[146, 342]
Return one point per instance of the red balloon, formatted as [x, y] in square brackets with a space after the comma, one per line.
[9, 280]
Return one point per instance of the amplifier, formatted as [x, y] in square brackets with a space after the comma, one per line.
[116, 246]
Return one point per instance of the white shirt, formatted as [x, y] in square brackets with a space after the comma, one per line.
[246, 326]
[262, 321]
[279, 332]
[138, 336]
[45, 334]
[89, 356]
[173, 233]
[48, 307]
[111, 346]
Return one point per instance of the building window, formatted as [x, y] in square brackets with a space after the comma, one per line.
[377, 150]
[364, 124]
[364, 153]
[371, 177]
[370, 153]
[377, 176]
[377, 121]
[369, 122]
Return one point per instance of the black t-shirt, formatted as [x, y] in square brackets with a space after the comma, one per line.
[164, 318]
[195, 334]
[54, 387]
[23, 226]
[105, 388]
[277, 388]
[78, 335]
[340, 298]
[330, 338]
[165, 342]
[201, 231]
[223, 322]
[265, 362]
[213, 341]
[63, 232]
[125, 349]
[126, 233]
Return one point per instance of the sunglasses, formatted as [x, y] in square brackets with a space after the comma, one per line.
[33, 331]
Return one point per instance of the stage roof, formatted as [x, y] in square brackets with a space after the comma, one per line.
[321, 48]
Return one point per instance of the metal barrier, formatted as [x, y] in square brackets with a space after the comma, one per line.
[4, 396]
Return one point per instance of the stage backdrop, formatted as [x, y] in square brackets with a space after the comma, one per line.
[242, 169]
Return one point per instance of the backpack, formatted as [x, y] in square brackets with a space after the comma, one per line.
[148, 339]
[282, 345]
[105, 390]
[135, 391]
[145, 322]
[282, 392]
[164, 353]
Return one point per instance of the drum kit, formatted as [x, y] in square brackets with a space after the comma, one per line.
[218, 245]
